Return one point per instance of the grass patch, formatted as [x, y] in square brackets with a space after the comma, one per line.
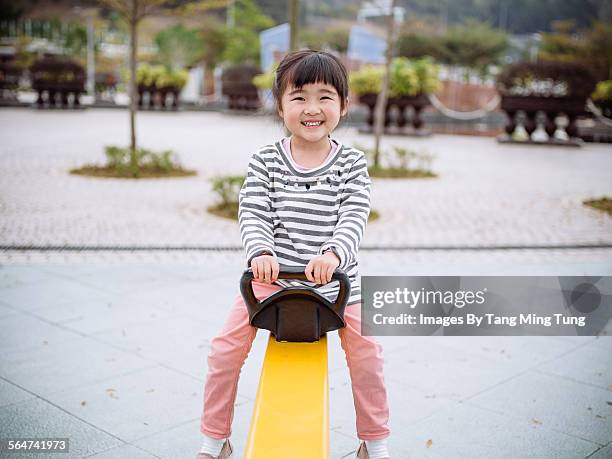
[120, 163]
[226, 210]
[399, 172]
[603, 204]
[111, 172]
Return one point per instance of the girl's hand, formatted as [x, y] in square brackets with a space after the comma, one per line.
[321, 268]
[265, 268]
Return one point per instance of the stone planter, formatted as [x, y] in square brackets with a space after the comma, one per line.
[533, 113]
[396, 119]
[156, 98]
[605, 106]
[58, 82]
[237, 86]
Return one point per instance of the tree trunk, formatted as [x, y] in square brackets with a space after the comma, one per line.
[293, 24]
[133, 90]
[381, 100]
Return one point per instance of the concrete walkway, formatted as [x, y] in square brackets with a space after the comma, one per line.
[112, 354]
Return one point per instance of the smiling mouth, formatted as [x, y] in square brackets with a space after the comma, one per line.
[311, 123]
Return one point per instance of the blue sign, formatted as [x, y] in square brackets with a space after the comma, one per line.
[366, 46]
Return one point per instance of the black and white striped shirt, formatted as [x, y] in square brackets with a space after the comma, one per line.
[298, 214]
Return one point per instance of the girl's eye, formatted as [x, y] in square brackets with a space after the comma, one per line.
[326, 97]
[297, 98]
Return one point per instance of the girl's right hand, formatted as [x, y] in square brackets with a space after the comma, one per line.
[265, 268]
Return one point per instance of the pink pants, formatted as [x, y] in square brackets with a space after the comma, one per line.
[231, 347]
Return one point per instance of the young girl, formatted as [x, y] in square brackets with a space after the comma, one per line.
[305, 202]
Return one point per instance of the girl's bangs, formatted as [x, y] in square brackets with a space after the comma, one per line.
[316, 69]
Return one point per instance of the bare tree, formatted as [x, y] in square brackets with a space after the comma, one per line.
[134, 11]
[383, 95]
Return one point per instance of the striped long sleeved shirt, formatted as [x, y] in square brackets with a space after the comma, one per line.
[298, 214]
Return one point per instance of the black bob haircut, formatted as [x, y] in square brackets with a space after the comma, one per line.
[309, 66]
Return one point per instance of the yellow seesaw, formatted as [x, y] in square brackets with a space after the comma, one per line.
[291, 409]
[291, 412]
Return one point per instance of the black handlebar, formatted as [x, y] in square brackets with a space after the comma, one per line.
[295, 273]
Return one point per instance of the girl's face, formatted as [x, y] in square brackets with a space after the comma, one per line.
[312, 111]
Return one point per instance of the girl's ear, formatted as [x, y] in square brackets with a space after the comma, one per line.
[346, 105]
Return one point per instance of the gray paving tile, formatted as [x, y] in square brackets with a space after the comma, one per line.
[124, 452]
[605, 342]
[6, 310]
[466, 431]
[112, 279]
[16, 276]
[22, 332]
[49, 292]
[177, 341]
[341, 445]
[427, 365]
[68, 365]
[180, 441]
[603, 453]
[97, 315]
[590, 364]
[185, 440]
[516, 352]
[207, 300]
[137, 404]
[570, 407]
[227, 265]
[10, 393]
[37, 418]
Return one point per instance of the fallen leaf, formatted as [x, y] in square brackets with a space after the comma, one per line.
[428, 443]
[609, 402]
[536, 421]
[83, 403]
[589, 408]
[600, 416]
[45, 342]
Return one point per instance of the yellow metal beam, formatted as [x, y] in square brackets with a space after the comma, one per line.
[291, 413]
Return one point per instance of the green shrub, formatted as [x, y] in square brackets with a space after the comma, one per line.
[265, 80]
[367, 80]
[408, 77]
[159, 76]
[401, 163]
[227, 188]
[118, 157]
[603, 91]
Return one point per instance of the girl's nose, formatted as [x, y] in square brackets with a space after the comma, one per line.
[312, 109]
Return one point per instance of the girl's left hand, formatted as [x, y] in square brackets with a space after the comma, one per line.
[321, 268]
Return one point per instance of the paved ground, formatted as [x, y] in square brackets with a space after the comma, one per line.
[113, 355]
[109, 347]
[486, 194]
